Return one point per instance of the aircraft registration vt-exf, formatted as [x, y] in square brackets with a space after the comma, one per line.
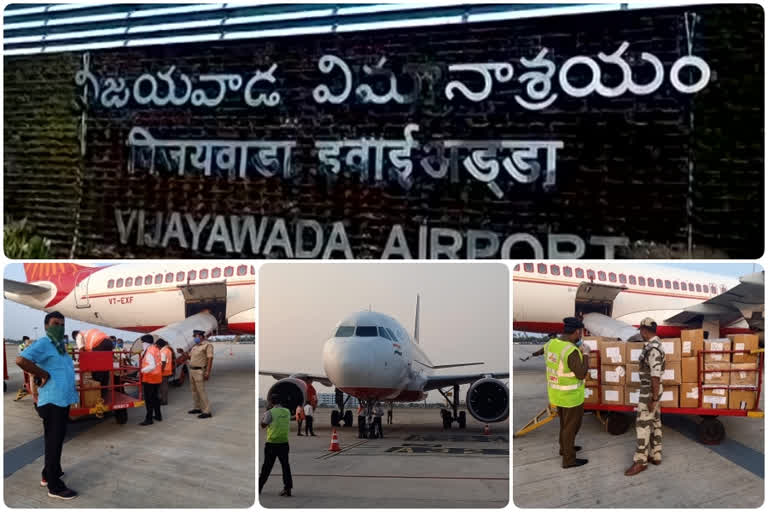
[142, 297]
[370, 356]
[545, 293]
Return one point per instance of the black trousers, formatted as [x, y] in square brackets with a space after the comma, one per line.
[55, 420]
[309, 428]
[152, 400]
[274, 451]
[570, 423]
[377, 424]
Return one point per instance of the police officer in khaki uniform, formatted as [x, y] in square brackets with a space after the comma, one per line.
[200, 362]
[648, 421]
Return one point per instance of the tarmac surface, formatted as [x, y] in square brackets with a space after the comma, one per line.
[415, 465]
[692, 475]
[182, 461]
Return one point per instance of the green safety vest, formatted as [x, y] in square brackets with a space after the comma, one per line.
[277, 431]
[563, 387]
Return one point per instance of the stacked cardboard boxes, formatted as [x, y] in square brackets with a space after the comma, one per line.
[613, 370]
[671, 378]
[744, 368]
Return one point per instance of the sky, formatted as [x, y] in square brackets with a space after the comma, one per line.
[464, 311]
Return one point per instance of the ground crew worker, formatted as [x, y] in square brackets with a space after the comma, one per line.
[200, 363]
[309, 416]
[378, 412]
[151, 377]
[362, 428]
[47, 360]
[299, 417]
[166, 363]
[648, 423]
[566, 370]
[277, 421]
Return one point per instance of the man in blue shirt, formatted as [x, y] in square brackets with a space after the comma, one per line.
[49, 363]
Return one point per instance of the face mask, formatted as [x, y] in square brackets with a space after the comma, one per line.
[55, 332]
[197, 340]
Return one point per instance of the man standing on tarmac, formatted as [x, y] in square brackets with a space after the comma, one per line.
[166, 363]
[648, 423]
[47, 360]
[151, 378]
[299, 418]
[200, 363]
[277, 421]
[308, 414]
[566, 370]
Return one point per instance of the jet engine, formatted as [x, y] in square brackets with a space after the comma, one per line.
[294, 391]
[488, 400]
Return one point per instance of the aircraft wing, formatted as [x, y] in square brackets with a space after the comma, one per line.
[746, 300]
[322, 379]
[441, 381]
[19, 288]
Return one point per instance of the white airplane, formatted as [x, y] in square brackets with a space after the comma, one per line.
[371, 357]
[141, 297]
[546, 292]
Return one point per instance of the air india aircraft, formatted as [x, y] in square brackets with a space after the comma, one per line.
[371, 356]
[142, 297]
[613, 297]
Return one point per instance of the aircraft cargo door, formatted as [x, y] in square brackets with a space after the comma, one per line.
[596, 298]
[210, 297]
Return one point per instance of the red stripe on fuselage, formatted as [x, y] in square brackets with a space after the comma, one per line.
[663, 331]
[380, 394]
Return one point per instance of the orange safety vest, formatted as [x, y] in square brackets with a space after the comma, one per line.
[299, 413]
[169, 364]
[92, 338]
[156, 375]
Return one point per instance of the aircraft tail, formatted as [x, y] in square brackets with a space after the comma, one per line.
[416, 322]
[49, 271]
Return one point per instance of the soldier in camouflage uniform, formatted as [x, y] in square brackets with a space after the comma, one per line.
[648, 422]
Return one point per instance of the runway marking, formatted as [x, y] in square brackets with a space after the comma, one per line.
[457, 438]
[16, 458]
[447, 451]
[740, 454]
[419, 477]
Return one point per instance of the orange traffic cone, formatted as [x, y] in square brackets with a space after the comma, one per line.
[334, 443]
[486, 430]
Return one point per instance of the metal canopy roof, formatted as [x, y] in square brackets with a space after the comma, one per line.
[50, 28]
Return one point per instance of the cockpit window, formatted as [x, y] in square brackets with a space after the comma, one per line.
[383, 333]
[366, 331]
[391, 334]
[345, 331]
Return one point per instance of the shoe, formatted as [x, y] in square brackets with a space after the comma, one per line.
[145, 423]
[205, 415]
[576, 463]
[655, 462]
[575, 448]
[194, 411]
[64, 494]
[286, 492]
[635, 469]
[159, 418]
[44, 482]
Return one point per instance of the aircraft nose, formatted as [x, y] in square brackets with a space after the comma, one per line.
[348, 362]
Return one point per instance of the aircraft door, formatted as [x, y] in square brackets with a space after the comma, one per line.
[596, 298]
[82, 300]
[211, 297]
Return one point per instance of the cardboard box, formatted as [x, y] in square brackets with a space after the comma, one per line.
[744, 342]
[612, 351]
[672, 351]
[718, 378]
[591, 342]
[91, 393]
[689, 369]
[612, 395]
[593, 360]
[742, 399]
[714, 398]
[613, 375]
[592, 375]
[633, 374]
[746, 376]
[717, 344]
[671, 375]
[670, 396]
[691, 342]
[689, 394]
[591, 395]
[633, 351]
[631, 395]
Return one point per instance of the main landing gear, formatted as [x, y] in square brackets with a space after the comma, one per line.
[448, 416]
[337, 416]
